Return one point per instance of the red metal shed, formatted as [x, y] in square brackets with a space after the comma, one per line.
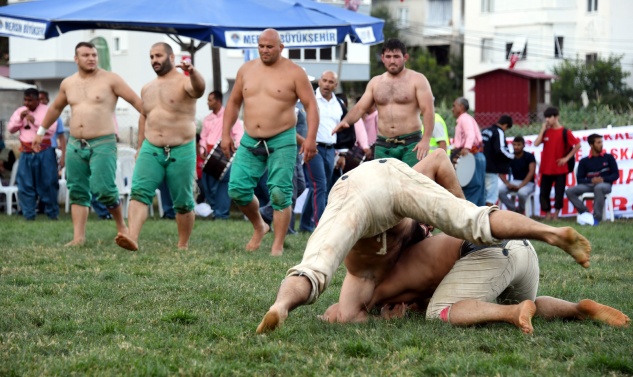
[518, 93]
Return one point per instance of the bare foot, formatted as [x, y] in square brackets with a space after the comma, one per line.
[124, 241]
[258, 235]
[603, 313]
[525, 312]
[330, 314]
[548, 217]
[183, 247]
[277, 253]
[271, 321]
[78, 242]
[574, 244]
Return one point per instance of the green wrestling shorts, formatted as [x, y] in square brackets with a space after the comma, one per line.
[278, 154]
[400, 147]
[91, 168]
[176, 164]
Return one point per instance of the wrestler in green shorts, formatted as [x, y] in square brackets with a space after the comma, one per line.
[91, 168]
[278, 154]
[400, 148]
[177, 164]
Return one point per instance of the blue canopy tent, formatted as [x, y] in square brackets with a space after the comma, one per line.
[222, 23]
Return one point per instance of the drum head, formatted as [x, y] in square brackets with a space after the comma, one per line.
[465, 169]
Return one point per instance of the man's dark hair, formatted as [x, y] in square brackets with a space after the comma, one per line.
[394, 44]
[166, 46]
[519, 139]
[464, 102]
[550, 111]
[505, 119]
[592, 138]
[217, 95]
[84, 44]
[31, 92]
[45, 93]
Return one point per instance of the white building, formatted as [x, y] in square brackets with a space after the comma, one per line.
[542, 33]
[435, 24]
[47, 63]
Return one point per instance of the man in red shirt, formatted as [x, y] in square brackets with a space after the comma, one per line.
[554, 161]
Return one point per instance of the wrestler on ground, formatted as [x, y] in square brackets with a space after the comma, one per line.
[400, 95]
[466, 285]
[166, 146]
[358, 215]
[92, 94]
[269, 88]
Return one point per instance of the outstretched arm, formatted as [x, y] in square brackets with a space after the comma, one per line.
[195, 86]
[361, 107]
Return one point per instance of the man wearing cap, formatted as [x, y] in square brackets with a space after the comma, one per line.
[497, 155]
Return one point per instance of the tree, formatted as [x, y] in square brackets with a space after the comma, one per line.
[602, 80]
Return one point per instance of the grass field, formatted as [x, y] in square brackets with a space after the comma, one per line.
[101, 310]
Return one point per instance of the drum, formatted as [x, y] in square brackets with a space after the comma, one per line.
[353, 158]
[465, 169]
[216, 164]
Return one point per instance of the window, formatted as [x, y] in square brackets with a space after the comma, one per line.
[487, 6]
[403, 17]
[119, 42]
[558, 47]
[486, 50]
[294, 54]
[325, 53]
[518, 47]
[591, 58]
[310, 54]
[592, 5]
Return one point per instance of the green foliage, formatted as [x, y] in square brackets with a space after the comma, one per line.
[101, 310]
[603, 81]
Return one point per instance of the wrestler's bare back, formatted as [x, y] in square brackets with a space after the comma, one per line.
[92, 99]
[169, 109]
[398, 99]
[270, 95]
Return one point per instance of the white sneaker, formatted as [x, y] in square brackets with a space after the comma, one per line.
[585, 218]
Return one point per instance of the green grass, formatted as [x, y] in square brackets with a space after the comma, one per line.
[101, 310]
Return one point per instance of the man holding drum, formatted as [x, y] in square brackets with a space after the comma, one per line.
[216, 191]
[167, 147]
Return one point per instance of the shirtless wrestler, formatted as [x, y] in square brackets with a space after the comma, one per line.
[269, 88]
[166, 146]
[358, 215]
[92, 94]
[400, 95]
[466, 285]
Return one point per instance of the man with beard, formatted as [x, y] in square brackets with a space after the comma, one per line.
[365, 223]
[167, 147]
[269, 88]
[92, 94]
[400, 95]
[466, 285]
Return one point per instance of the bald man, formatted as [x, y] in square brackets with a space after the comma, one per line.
[269, 88]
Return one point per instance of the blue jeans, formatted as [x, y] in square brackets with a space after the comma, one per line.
[165, 198]
[37, 177]
[216, 193]
[100, 209]
[318, 176]
[475, 191]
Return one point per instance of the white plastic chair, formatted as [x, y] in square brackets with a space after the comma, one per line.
[608, 212]
[62, 194]
[11, 191]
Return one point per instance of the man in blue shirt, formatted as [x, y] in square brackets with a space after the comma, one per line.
[596, 173]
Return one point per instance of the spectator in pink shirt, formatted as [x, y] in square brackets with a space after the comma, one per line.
[370, 120]
[468, 140]
[217, 192]
[37, 171]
